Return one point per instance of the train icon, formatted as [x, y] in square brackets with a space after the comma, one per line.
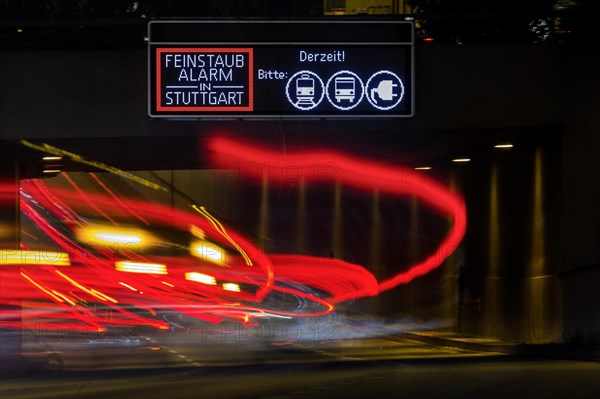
[305, 90]
[345, 88]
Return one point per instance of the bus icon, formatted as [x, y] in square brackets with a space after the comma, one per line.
[344, 88]
[305, 90]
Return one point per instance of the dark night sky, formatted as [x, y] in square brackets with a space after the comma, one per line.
[450, 21]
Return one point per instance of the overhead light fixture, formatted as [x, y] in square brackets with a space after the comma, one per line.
[51, 171]
[423, 168]
[461, 160]
[503, 146]
[52, 158]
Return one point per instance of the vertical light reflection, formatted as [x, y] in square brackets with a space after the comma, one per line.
[301, 216]
[413, 253]
[494, 228]
[493, 283]
[337, 239]
[414, 230]
[375, 248]
[450, 287]
[263, 225]
[537, 282]
[538, 259]
[375, 233]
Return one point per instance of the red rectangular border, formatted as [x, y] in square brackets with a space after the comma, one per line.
[250, 52]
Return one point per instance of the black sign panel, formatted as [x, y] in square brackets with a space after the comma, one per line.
[332, 75]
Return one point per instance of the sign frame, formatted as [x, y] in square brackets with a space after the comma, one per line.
[243, 46]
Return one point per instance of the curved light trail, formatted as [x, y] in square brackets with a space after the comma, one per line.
[129, 285]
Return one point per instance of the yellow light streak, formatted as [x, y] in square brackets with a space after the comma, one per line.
[41, 288]
[110, 235]
[21, 257]
[139, 267]
[197, 232]
[91, 291]
[127, 286]
[207, 251]
[201, 278]
[64, 297]
[231, 287]
[118, 238]
[99, 165]
[217, 225]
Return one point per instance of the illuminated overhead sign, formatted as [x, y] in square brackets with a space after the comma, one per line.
[258, 69]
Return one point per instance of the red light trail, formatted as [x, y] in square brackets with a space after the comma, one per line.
[132, 285]
[360, 173]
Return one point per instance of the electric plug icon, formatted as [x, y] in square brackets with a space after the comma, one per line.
[385, 91]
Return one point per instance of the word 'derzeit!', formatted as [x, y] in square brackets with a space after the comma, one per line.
[205, 77]
[333, 56]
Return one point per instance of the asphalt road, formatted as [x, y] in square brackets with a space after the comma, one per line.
[182, 366]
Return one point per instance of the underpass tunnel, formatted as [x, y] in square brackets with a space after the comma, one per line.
[526, 270]
[500, 282]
